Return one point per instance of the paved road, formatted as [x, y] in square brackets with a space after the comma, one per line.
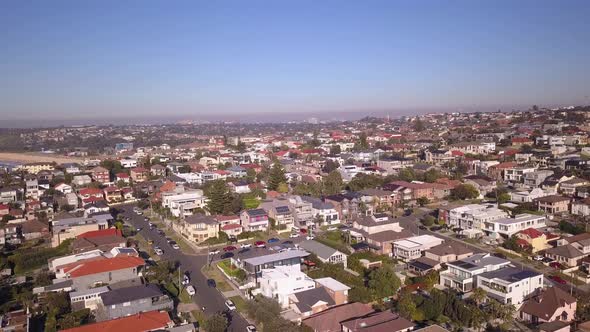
[206, 296]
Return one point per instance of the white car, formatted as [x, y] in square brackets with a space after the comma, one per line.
[158, 251]
[538, 258]
[250, 328]
[190, 290]
[230, 305]
[246, 245]
[310, 237]
[175, 246]
[332, 228]
[294, 235]
[186, 280]
[214, 252]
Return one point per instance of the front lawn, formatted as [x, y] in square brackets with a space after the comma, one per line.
[239, 302]
[212, 272]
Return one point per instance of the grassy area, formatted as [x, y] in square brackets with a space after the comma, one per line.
[213, 273]
[239, 302]
[335, 240]
[184, 297]
[26, 260]
[199, 317]
[226, 266]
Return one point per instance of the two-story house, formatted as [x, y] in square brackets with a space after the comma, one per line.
[198, 227]
[510, 285]
[128, 301]
[460, 274]
[553, 204]
[100, 174]
[322, 211]
[231, 225]
[139, 174]
[254, 220]
[87, 274]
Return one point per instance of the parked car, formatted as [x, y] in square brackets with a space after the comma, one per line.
[422, 227]
[186, 280]
[228, 255]
[211, 283]
[229, 248]
[288, 242]
[260, 244]
[250, 328]
[499, 255]
[214, 252]
[538, 258]
[310, 237]
[332, 228]
[308, 263]
[273, 240]
[230, 305]
[294, 235]
[246, 245]
[558, 280]
[174, 245]
[190, 290]
[435, 228]
[158, 251]
[169, 240]
[556, 265]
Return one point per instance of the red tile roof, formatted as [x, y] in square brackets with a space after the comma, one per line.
[224, 218]
[100, 233]
[145, 321]
[532, 233]
[105, 265]
[90, 191]
[230, 226]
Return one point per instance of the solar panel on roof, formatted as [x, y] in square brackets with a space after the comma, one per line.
[282, 209]
[465, 265]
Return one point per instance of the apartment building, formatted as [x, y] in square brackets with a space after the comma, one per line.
[553, 204]
[516, 174]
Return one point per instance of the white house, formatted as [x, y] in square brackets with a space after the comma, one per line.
[474, 215]
[325, 210]
[516, 174]
[510, 226]
[64, 188]
[528, 196]
[510, 285]
[412, 248]
[128, 163]
[281, 281]
[184, 203]
[460, 274]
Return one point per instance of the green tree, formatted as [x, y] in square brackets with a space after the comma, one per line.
[332, 183]
[335, 150]
[406, 305]
[216, 323]
[283, 187]
[330, 166]
[383, 282]
[422, 201]
[219, 197]
[478, 296]
[419, 125]
[160, 272]
[407, 174]
[428, 221]
[276, 176]
[464, 191]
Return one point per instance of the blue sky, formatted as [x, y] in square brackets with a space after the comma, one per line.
[82, 59]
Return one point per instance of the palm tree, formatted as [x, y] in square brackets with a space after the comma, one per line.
[478, 296]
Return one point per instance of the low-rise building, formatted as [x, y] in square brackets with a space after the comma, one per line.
[87, 274]
[231, 225]
[281, 282]
[460, 274]
[254, 220]
[413, 247]
[324, 253]
[506, 227]
[510, 285]
[198, 228]
[145, 321]
[128, 301]
[448, 252]
[184, 203]
[553, 204]
[550, 305]
[69, 228]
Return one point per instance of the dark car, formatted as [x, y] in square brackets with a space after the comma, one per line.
[435, 228]
[422, 227]
[288, 242]
[273, 240]
[211, 283]
[556, 265]
[227, 255]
